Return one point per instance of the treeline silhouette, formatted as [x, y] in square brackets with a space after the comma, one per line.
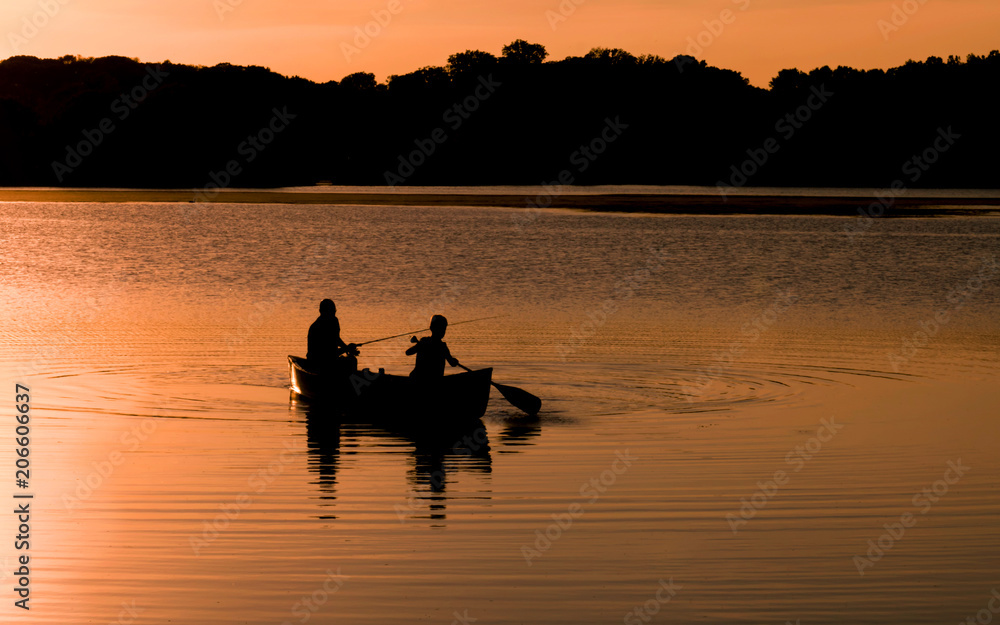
[605, 118]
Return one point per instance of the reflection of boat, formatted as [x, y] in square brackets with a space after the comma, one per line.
[452, 398]
[440, 451]
[521, 432]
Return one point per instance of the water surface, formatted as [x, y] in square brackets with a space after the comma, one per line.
[684, 361]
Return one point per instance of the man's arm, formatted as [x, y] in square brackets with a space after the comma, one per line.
[337, 341]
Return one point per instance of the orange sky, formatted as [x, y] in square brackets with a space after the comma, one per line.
[307, 37]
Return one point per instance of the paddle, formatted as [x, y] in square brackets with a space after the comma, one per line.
[518, 397]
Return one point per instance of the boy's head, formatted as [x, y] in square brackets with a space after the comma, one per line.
[438, 326]
[327, 307]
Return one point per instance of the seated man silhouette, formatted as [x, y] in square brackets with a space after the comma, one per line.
[327, 351]
[431, 351]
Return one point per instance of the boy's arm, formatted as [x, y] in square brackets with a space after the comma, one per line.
[447, 355]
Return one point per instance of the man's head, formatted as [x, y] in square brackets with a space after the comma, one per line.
[327, 307]
[438, 326]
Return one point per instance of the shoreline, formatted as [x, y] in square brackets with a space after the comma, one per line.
[659, 203]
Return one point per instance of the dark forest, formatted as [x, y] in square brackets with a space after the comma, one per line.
[605, 118]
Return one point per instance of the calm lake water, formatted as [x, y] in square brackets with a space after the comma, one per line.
[746, 419]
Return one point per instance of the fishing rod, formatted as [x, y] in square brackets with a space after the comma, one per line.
[396, 336]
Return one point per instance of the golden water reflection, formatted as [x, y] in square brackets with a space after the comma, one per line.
[436, 455]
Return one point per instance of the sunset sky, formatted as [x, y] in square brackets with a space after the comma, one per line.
[307, 37]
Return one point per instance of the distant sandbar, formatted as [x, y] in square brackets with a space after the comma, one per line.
[713, 203]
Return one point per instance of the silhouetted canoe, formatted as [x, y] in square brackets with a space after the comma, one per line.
[452, 398]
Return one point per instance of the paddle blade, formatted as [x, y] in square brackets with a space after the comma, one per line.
[520, 398]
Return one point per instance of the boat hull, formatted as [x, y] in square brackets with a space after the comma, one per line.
[452, 398]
